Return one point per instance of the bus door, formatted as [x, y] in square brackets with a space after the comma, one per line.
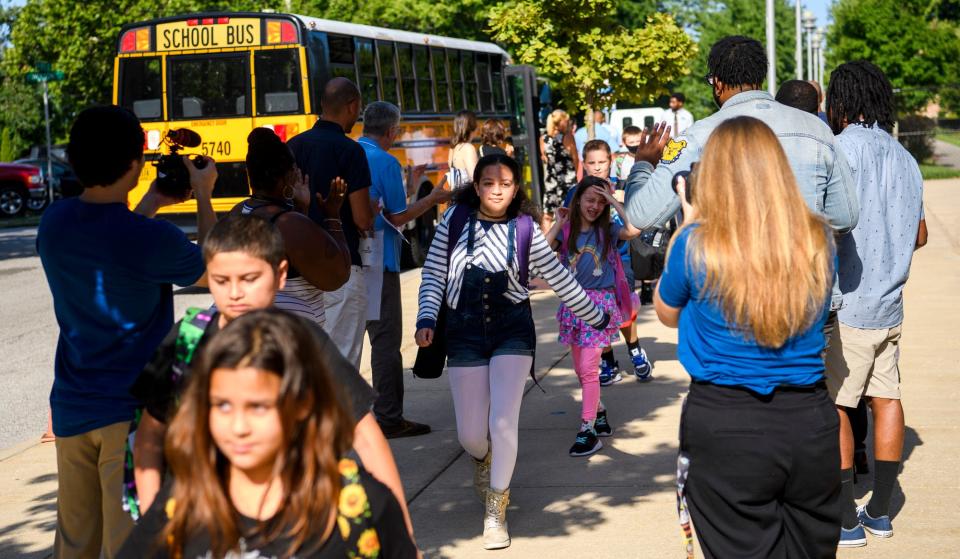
[524, 104]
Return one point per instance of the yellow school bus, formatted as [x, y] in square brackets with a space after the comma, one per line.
[222, 74]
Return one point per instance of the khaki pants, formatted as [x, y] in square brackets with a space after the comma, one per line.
[90, 515]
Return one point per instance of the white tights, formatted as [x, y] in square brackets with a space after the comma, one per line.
[486, 400]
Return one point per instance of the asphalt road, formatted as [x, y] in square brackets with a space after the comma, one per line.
[28, 337]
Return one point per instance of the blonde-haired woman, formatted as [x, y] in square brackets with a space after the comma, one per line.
[463, 154]
[747, 280]
[561, 158]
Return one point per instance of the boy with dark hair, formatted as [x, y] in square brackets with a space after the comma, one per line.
[246, 266]
[864, 351]
[110, 272]
[799, 95]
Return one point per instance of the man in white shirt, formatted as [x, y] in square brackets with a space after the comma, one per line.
[678, 118]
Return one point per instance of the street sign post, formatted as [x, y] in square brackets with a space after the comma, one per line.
[44, 73]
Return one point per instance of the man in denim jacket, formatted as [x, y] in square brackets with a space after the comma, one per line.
[737, 67]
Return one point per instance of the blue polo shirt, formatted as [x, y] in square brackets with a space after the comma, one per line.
[712, 350]
[386, 178]
[110, 273]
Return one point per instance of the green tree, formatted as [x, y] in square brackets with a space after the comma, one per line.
[592, 59]
[465, 19]
[7, 152]
[711, 20]
[918, 55]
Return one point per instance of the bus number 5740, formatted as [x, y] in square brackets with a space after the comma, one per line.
[216, 148]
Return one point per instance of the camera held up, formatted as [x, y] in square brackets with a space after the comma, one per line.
[173, 178]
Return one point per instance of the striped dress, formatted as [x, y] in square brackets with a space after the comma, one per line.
[490, 254]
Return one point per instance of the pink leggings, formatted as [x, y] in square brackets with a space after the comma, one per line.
[586, 362]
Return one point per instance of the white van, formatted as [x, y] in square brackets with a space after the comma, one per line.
[645, 117]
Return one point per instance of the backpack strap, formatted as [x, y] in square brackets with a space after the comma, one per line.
[192, 328]
[524, 240]
[455, 227]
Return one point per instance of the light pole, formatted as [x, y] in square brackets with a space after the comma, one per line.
[822, 58]
[799, 50]
[771, 51]
[816, 55]
[809, 22]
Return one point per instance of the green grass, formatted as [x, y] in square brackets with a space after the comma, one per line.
[26, 220]
[933, 172]
[951, 136]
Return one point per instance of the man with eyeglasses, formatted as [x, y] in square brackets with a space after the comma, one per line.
[381, 128]
[738, 66]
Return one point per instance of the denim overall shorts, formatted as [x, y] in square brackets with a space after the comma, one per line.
[485, 323]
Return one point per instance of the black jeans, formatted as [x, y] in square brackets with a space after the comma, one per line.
[386, 361]
[764, 477]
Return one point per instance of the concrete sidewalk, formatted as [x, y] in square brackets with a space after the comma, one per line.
[619, 502]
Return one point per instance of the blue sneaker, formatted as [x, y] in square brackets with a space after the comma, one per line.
[880, 526]
[642, 368]
[609, 375]
[854, 537]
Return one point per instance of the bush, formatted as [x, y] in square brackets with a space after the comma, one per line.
[916, 134]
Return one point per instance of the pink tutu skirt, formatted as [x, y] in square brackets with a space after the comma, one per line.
[574, 331]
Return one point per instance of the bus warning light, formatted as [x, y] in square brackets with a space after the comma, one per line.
[281, 31]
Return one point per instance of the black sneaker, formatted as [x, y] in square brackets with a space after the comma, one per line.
[601, 426]
[404, 429]
[586, 444]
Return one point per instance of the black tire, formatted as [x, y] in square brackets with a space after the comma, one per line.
[37, 205]
[13, 200]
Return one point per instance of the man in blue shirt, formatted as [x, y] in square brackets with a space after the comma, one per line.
[381, 128]
[874, 263]
[110, 272]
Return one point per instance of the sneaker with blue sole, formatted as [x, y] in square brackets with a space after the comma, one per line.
[854, 537]
[880, 526]
[601, 425]
[609, 375]
[642, 369]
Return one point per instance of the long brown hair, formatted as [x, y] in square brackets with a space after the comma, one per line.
[464, 125]
[317, 431]
[601, 226]
[765, 254]
[492, 133]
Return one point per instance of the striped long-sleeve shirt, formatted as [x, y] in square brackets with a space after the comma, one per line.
[490, 254]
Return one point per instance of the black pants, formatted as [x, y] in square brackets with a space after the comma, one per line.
[764, 477]
[386, 361]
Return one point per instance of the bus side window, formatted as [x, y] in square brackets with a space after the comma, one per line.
[456, 74]
[483, 81]
[470, 80]
[367, 70]
[421, 65]
[441, 78]
[341, 57]
[408, 103]
[496, 73]
[141, 87]
[388, 72]
[278, 81]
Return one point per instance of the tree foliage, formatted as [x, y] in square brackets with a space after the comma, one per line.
[465, 19]
[711, 20]
[918, 55]
[591, 58]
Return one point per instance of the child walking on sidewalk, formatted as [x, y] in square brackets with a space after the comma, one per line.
[587, 240]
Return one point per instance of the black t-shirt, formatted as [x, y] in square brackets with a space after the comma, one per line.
[324, 153]
[386, 518]
[158, 392]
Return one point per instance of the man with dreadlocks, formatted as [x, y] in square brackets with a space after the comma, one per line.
[737, 67]
[874, 263]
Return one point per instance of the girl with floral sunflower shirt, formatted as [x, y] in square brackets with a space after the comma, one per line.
[255, 453]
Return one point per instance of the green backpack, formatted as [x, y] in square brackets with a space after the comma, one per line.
[192, 328]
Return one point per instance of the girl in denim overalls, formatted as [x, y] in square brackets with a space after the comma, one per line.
[490, 332]
[588, 245]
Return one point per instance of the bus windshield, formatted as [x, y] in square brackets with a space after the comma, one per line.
[209, 85]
